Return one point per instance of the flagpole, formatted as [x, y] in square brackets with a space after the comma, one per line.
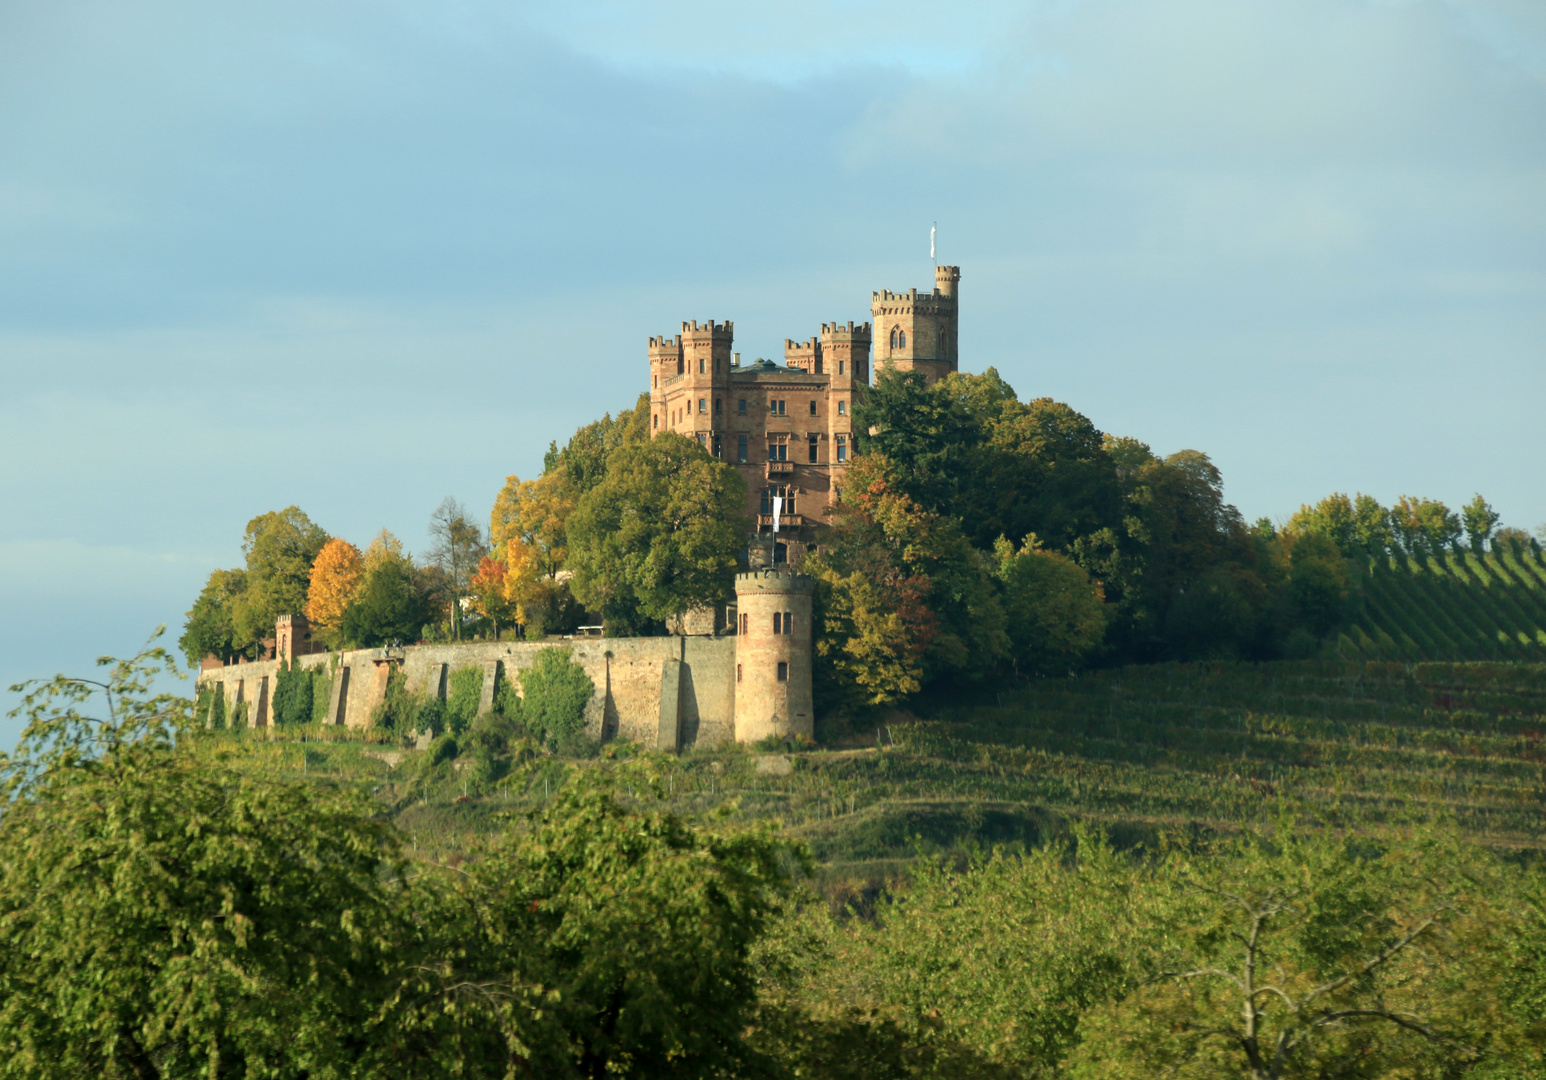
[932, 230]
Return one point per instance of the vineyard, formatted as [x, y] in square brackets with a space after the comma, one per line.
[1140, 751]
[1451, 606]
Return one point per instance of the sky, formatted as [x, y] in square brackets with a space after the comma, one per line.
[358, 256]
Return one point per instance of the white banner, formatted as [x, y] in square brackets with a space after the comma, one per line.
[778, 508]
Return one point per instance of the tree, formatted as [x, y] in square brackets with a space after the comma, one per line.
[458, 548]
[927, 435]
[1055, 615]
[1319, 582]
[529, 530]
[1308, 957]
[1371, 526]
[280, 547]
[1480, 523]
[1333, 517]
[583, 460]
[659, 535]
[211, 626]
[163, 915]
[901, 595]
[390, 605]
[639, 926]
[335, 580]
[489, 595]
[1425, 526]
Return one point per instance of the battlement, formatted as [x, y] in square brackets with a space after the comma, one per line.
[772, 580]
[663, 342]
[835, 331]
[725, 329]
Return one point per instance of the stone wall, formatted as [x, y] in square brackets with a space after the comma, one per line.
[627, 674]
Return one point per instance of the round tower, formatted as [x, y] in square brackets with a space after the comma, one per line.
[773, 655]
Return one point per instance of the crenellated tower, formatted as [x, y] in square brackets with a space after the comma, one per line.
[773, 693]
[689, 381]
[918, 331]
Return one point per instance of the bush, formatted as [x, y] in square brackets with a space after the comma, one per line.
[292, 695]
[431, 717]
[555, 691]
[464, 689]
[490, 742]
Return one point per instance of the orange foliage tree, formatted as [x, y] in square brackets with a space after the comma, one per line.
[488, 593]
[529, 531]
[335, 579]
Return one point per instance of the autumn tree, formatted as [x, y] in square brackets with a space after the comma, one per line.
[335, 580]
[659, 535]
[1425, 526]
[489, 595]
[901, 595]
[1333, 517]
[529, 528]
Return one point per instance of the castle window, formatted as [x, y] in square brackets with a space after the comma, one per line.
[894, 332]
[700, 365]
[778, 448]
[780, 553]
[901, 339]
[788, 622]
[812, 445]
[778, 622]
[839, 367]
[745, 620]
[813, 406]
[655, 419]
[741, 406]
[719, 450]
[842, 449]
[716, 406]
[703, 406]
[738, 673]
[842, 408]
[740, 448]
[783, 671]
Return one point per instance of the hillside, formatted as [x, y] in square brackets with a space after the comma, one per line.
[1452, 606]
[1135, 751]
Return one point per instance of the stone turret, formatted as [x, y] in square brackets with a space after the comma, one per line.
[773, 655]
[918, 331]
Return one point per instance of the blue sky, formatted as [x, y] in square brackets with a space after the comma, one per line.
[359, 256]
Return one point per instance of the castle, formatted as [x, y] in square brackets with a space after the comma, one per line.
[789, 431]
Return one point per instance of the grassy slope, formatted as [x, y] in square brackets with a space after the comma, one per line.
[1137, 750]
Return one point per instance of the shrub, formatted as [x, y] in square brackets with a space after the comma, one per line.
[292, 695]
[555, 691]
[462, 694]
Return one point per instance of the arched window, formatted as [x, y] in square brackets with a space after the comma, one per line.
[894, 332]
[901, 339]
[656, 418]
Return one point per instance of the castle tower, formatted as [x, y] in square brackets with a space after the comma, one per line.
[917, 331]
[773, 655]
[690, 382]
[292, 637]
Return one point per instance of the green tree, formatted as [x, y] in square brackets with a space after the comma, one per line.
[390, 605]
[1055, 615]
[292, 694]
[1481, 520]
[583, 460]
[1319, 582]
[211, 626]
[1425, 526]
[1333, 517]
[1311, 957]
[629, 933]
[927, 435]
[1371, 526]
[659, 535]
[163, 915]
[280, 547]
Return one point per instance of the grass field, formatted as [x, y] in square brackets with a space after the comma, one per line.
[1136, 751]
[1452, 606]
